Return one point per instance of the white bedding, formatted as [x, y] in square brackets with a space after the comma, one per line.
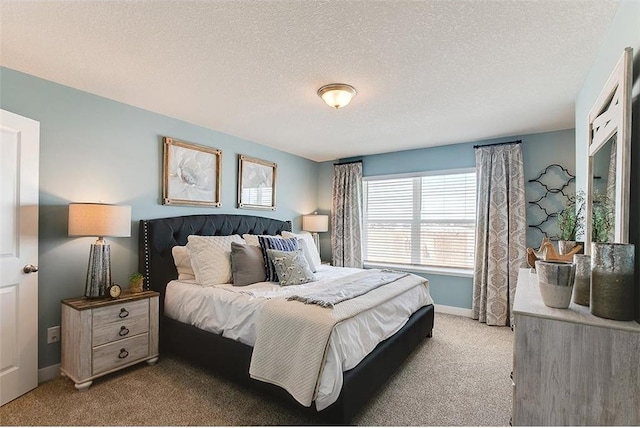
[234, 311]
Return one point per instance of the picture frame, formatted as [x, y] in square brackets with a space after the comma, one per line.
[191, 174]
[256, 183]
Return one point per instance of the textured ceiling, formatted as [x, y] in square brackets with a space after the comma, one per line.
[427, 72]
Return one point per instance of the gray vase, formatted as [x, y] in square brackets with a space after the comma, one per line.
[612, 288]
[582, 284]
[556, 282]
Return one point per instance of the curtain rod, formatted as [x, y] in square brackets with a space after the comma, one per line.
[498, 144]
[347, 163]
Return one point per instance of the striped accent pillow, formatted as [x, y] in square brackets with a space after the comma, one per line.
[273, 243]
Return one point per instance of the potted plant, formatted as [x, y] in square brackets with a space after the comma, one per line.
[570, 222]
[136, 281]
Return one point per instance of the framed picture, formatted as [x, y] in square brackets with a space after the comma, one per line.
[256, 184]
[191, 174]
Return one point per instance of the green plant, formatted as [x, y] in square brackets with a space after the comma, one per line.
[136, 276]
[571, 218]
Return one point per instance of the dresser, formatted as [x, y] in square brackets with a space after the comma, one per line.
[571, 367]
[100, 336]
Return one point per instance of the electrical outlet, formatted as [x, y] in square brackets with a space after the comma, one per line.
[53, 334]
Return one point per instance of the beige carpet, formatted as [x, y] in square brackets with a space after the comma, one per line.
[460, 377]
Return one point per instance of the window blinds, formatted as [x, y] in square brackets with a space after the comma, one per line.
[426, 220]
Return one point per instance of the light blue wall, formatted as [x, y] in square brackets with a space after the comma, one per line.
[539, 151]
[96, 149]
[623, 32]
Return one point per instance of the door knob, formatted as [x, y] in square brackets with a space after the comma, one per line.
[30, 269]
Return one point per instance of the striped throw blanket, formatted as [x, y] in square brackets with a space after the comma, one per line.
[292, 337]
[332, 293]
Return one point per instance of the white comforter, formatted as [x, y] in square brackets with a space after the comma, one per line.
[233, 312]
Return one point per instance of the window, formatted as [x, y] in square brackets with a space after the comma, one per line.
[426, 220]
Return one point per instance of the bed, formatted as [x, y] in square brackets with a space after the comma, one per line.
[231, 357]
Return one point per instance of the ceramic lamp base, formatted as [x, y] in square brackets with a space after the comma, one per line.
[98, 271]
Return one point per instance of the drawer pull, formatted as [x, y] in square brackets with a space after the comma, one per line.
[123, 313]
[123, 353]
[123, 331]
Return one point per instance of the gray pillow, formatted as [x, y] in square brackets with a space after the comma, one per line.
[307, 254]
[247, 264]
[291, 266]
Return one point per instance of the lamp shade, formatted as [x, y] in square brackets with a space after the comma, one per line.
[315, 223]
[88, 219]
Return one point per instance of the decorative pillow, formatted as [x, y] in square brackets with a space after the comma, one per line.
[247, 264]
[273, 243]
[211, 258]
[302, 244]
[311, 244]
[291, 266]
[183, 262]
[251, 239]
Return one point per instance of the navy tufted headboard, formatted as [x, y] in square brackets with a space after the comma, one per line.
[159, 236]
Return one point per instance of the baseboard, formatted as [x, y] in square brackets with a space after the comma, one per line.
[454, 310]
[48, 373]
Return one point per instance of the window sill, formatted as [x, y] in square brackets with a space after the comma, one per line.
[465, 273]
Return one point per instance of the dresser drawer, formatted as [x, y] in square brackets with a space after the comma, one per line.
[115, 354]
[127, 327]
[121, 312]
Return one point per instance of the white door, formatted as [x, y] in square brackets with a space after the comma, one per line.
[19, 153]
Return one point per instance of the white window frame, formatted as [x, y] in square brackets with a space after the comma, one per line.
[414, 266]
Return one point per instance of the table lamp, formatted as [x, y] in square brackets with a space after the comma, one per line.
[315, 223]
[93, 219]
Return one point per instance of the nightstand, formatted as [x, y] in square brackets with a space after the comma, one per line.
[101, 336]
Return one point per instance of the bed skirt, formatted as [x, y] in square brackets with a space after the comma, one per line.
[231, 359]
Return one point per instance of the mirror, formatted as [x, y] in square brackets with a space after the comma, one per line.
[608, 150]
[603, 192]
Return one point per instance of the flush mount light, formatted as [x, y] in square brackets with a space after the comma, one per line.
[337, 95]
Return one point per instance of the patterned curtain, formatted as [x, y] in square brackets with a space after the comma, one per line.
[346, 215]
[500, 232]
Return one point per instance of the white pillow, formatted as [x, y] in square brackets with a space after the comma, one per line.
[311, 245]
[211, 258]
[183, 262]
[302, 244]
[253, 239]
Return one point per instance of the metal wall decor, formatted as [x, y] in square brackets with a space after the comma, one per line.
[554, 183]
[191, 174]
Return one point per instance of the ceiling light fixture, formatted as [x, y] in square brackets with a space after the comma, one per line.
[337, 95]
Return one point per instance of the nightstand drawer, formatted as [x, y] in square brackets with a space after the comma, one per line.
[112, 355]
[127, 327]
[120, 312]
